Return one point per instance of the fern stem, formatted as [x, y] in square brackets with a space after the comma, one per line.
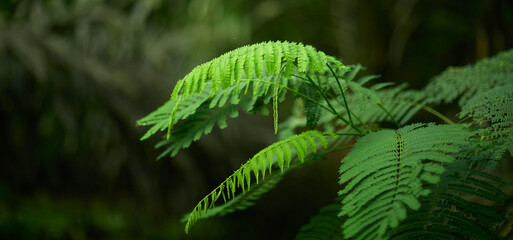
[357, 118]
[275, 109]
[172, 117]
[363, 124]
[438, 114]
[464, 119]
[331, 106]
[347, 134]
[342, 92]
[400, 158]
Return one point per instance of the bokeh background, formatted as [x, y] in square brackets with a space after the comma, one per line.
[75, 75]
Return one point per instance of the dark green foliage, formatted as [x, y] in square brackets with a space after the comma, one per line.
[325, 225]
[454, 209]
[412, 181]
[383, 181]
[312, 110]
[469, 81]
[492, 110]
[75, 74]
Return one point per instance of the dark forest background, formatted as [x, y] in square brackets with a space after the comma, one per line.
[75, 75]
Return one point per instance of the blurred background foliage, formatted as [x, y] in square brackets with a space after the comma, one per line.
[75, 75]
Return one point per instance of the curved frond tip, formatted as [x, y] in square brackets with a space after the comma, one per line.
[280, 153]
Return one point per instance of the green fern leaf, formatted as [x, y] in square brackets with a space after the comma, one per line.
[229, 79]
[201, 123]
[312, 110]
[278, 56]
[492, 112]
[241, 201]
[261, 163]
[221, 105]
[160, 117]
[454, 209]
[381, 182]
[259, 60]
[302, 58]
[466, 82]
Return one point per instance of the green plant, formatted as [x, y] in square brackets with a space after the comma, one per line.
[409, 181]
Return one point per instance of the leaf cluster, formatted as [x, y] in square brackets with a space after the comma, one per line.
[413, 180]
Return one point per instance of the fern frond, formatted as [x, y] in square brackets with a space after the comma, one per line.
[160, 117]
[382, 182]
[375, 105]
[252, 59]
[242, 201]
[492, 110]
[379, 102]
[325, 225]
[311, 109]
[257, 60]
[201, 123]
[202, 113]
[250, 76]
[468, 81]
[279, 153]
[369, 105]
[455, 209]
[394, 105]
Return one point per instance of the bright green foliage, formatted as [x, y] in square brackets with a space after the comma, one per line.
[160, 117]
[202, 100]
[410, 181]
[383, 181]
[250, 63]
[243, 201]
[279, 154]
[253, 61]
[203, 111]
